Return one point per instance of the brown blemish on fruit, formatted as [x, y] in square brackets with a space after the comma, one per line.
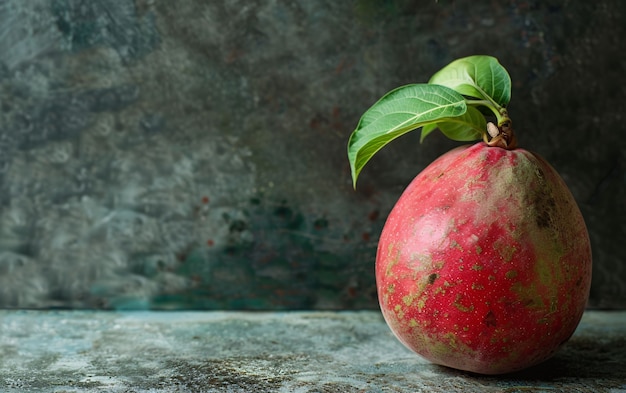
[432, 278]
[544, 212]
[490, 319]
[477, 267]
[511, 274]
[477, 286]
[579, 281]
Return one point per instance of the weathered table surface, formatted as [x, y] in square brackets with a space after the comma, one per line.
[70, 351]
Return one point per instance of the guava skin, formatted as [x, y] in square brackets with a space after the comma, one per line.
[484, 263]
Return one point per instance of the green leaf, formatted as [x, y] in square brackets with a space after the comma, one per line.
[468, 127]
[401, 110]
[480, 77]
[427, 129]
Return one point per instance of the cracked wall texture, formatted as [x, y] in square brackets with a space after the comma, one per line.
[164, 155]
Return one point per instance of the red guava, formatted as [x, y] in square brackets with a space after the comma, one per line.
[484, 263]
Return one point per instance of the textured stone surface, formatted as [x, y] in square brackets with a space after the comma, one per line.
[161, 155]
[271, 352]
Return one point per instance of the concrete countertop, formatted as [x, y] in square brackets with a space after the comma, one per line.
[71, 351]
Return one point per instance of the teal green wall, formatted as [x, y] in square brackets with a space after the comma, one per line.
[192, 154]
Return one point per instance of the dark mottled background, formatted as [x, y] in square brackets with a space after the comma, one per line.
[191, 154]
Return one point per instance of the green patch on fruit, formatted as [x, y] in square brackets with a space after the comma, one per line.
[399, 311]
[420, 290]
[441, 349]
[529, 296]
[460, 306]
[550, 276]
[447, 344]
[393, 259]
[452, 340]
[438, 265]
[456, 245]
[408, 300]
[505, 250]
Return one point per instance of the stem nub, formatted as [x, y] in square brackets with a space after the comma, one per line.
[501, 135]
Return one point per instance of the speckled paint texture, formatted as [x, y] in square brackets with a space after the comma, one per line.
[193, 155]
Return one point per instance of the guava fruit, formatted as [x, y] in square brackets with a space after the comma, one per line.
[484, 263]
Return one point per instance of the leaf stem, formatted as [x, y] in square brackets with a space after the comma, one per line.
[506, 137]
[500, 112]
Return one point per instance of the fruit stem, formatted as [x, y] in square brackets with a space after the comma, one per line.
[501, 135]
